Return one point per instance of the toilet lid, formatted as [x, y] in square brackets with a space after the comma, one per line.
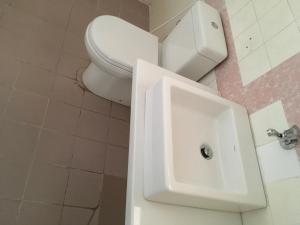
[122, 43]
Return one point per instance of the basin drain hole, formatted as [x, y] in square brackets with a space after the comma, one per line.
[206, 151]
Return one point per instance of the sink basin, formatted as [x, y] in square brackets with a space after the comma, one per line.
[199, 150]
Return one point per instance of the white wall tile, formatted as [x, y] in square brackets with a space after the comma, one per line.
[243, 19]
[271, 116]
[254, 65]
[248, 41]
[284, 201]
[284, 45]
[263, 6]
[233, 6]
[276, 20]
[295, 6]
[276, 163]
[258, 217]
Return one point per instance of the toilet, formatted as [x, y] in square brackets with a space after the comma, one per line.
[193, 48]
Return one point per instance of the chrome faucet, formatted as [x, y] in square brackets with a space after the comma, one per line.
[288, 139]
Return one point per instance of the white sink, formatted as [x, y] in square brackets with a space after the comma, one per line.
[180, 119]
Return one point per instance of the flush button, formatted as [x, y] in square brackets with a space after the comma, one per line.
[214, 25]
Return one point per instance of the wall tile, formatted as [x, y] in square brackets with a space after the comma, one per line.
[121, 112]
[248, 41]
[277, 163]
[47, 183]
[114, 201]
[13, 175]
[8, 212]
[295, 7]
[76, 216]
[93, 126]
[26, 107]
[272, 116]
[17, 141]
[69, 65]
[258, 217]
[35, 80]
[67, 91]
[83, 189]
[95, 219]
[119, 133]
[95, 103]
[254, 65]
[262, 7]
[233, 6]
[37, 214]
[62, 117]
[89, 155]
[284, 201]
[243, 19]
[55, 148]
[116, 161]
[276, 20]
[284, 45]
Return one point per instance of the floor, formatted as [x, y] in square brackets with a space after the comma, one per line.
[63, 150]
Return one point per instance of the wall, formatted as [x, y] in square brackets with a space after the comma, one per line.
[165, 13]
[266, 81]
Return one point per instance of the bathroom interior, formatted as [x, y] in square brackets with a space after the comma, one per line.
[144, 112]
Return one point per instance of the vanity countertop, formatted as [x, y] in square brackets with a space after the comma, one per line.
[140, 211]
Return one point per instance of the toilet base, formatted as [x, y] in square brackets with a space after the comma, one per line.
[106, 85]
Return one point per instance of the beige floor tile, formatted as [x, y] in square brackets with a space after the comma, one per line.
[8, 212]
[84, 189]
[55, 148]
[74, 44]
[13, 175]
[62, 117]
[93, 126]
[26, 107]
[89, 155]
[4, 95]
[110, 7]
[37, 214]
[35, 80]
[10, 45]
[42, 47]
[95, 219]
[116, 161]
[121, 112]
[95, 103]
[17, 140]
[136, 7]
[9, 69]
[119, 133]
[83, 12]
[76, 216]
[70, 65]
[47, 183]
[113, 201]
[53, 11]
[67, 91]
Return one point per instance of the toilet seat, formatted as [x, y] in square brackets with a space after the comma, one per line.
[120, 54]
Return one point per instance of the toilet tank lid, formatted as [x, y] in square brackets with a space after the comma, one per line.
[208, 31]
[121, 41]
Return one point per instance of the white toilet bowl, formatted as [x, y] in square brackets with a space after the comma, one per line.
[193, 48]
[114, 46]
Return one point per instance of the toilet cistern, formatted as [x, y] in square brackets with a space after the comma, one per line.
[193, 48]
